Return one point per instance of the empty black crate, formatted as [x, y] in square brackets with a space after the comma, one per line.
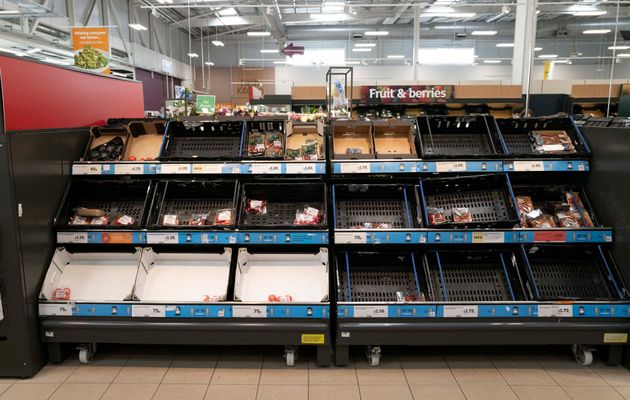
[552, 199]
[378, 277]
[457, 137]
[197, 200]
[557, 272]
[283, 202]
[472, 276]
[520, 142]
[363, 206]
[115, 198]
[487, 198]
[208, 140]
[265, 138]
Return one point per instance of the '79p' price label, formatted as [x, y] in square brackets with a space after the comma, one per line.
[249, 311]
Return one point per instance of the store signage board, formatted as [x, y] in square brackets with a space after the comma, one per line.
[205, 104]
[412, 94]
[91, 48]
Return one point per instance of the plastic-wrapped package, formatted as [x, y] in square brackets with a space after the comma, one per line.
[79, 220]
[256, 145]
[273, 144]
[525, 206]
[436, 216]
[256, 207]
[351, 151]
[574, 200]
[462, 215]
[99, 221]
[61, 294]
[568, 219]
[308, 216]
[552, 142]
[109, 151]
[124, 220]
[223, 217]
[543, 221]
[198, 220]
[170, 220]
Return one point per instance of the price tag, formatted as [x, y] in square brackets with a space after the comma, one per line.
[175, 169]
[249, 311]
[87, 169]
[461, 311]
[301, 168]
[55, 309]
[488, 237]
[550, 236]
[555, 310]
[355, 168]
[148, 311]
[162, 238]
[450, 166]
[129, 169]
[350, 237]
[72, 237]
[266, 168]
[371, 312]
[521, 166]
[207, 168]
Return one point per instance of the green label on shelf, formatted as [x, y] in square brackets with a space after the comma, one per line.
[205, 104]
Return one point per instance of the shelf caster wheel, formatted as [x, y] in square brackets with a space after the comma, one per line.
[86, 353]
[373, 354]
[290, 355]
[583, 355]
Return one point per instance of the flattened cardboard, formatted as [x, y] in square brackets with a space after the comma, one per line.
[353, 134]
[394, 139]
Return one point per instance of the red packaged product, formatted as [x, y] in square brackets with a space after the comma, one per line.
[568, 219]
[61, 294]
[461, 215]
[525, 206]
[436, 216]
[544, 221]
[223, 217]
[256, 207]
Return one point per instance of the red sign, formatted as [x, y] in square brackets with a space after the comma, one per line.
[290, 50]
[550, 236]
[376, 95]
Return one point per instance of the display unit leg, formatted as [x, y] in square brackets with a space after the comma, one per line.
[614, 355]
[324, 354]
[342, 355]
[55, 352]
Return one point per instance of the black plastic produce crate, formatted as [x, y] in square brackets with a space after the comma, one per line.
[194, 204]
[620, 122]
[208, 140]
[472, 276]
[265, 127]
[559, 272]
[459, 137]
[601, 122]
[283, 202]
[487, 198]
[116, 198]
[519, 139]
[378, 277]
[367, 206]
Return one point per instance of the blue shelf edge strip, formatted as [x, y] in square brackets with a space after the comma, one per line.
[191, 168]
[444, 166]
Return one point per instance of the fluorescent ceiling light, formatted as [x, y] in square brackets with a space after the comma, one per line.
[483, 33]
[446, 56]
[618, 47]
[589, 13]
[271, 51]
[537, 48]
[623, 55]
[376, 33]
[165, 1]
[35, 50]
[193, 55]
[228, 12]
[258, 33]
[353, 62]
[435, 10]
[429, 14]
[210, 63]
[279, 62]
[566, 61]
[330, 17]
[547, 56]
[505, 44]
[334, 3]
[9, 12]
[218, 43]
[492, 61]
[361, 49]
[118, 74]
[138, 27]
[365, 45]
[395, 56]
[596, 31]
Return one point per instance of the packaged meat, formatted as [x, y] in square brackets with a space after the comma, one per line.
[543, 221]
[198, 220]
[461, 215]
[568, 219]
[170, 220]
[89, 212]
[256, 207]
[308, 216]
[525, 206]
[124, 220]
[577, 206]
[61, 294]
[79, 220]
[99, 221]
[552, 142]
[436, 216]
[223, 217]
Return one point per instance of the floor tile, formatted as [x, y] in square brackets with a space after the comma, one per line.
[336, 376]
[141, 375]
[427, 370]
[522, 370]
[540, 393]
[385, 392]
[593, 393]
[7, 381]
[180, 392]
[276, 372]
[231, 392]
[488, 392]
[191, 369]
[4, 387]
[333, 393]
[282, 392]
[478, 376]
[51, 373]
[130, 391]
[94, 374]
[614, 376]
[80, 391]
[41, 391]
[576, 377]
[624, 391]
[388, 373]
[442, 392]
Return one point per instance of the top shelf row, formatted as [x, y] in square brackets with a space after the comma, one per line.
[270, 145]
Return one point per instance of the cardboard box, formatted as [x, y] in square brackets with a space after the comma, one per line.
[350, 134]
[394, 139]
[299, 133]
[145, 140]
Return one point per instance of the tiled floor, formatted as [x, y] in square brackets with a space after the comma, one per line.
[200, 373]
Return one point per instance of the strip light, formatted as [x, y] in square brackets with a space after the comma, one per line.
[596, 31]
[138, 27]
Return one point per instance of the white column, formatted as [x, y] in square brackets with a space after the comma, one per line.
[416, 42]
[524, 42]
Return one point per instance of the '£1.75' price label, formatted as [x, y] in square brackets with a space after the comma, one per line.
[555, 310]
[355, 168]
[461, 311]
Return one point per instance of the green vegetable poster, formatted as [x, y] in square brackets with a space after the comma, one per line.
[205, 104]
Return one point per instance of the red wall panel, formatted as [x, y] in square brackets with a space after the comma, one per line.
[40, 96]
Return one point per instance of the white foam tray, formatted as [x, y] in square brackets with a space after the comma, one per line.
[302, 276]
[98, 277]
[182, 277]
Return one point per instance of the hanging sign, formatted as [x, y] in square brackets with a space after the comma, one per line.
[90, 46]
[205, 104]
[548, 71]
[376, 95]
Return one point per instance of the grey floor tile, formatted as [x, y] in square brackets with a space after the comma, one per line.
[276, 372]
[94, 374]
[191, 369]
[624, 391]
[576, 377]
[51, 373]
[614, 376]
[336, 376]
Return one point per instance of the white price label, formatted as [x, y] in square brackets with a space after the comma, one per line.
[207, 168]
[87, 169]
[520, 166]
[72, 237]
[266, 168]
[371, 312]
[55, 309]
[175, 169]
[148, 311]
[129, 169]
[301, 168]
[249, 311]
[461, 311]
[450, 166]
[162, 238]
[355, 168]
[350, 237]
[555, 310]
